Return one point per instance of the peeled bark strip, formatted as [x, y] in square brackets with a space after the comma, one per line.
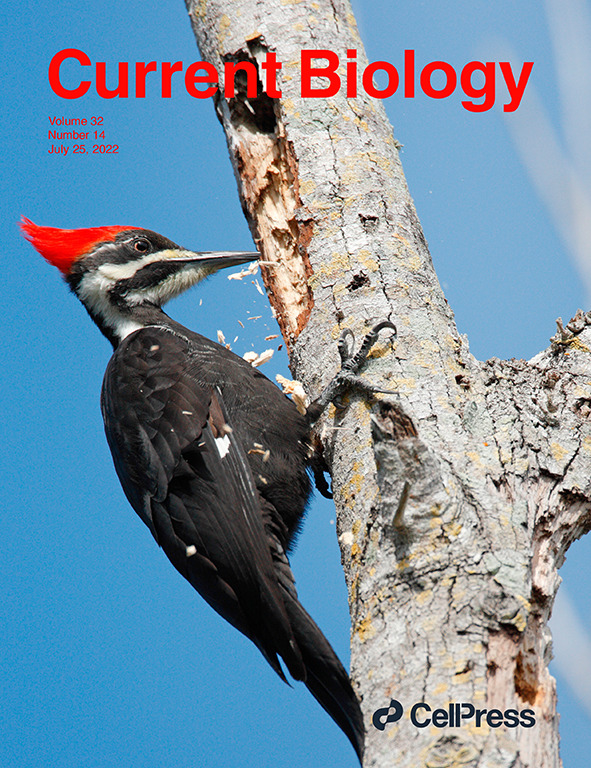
[458, 496]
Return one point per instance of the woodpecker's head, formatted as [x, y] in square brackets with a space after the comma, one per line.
[121, 273]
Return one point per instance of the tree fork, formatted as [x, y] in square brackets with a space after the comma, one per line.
[458, 496]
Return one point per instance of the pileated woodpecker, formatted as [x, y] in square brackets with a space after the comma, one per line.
[210, 454]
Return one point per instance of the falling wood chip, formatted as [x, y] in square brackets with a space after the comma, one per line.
[222, 340]
[296, 390]
[256, 360]
[251, 270]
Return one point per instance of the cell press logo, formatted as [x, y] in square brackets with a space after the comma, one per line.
[390, 714]
[455, 715]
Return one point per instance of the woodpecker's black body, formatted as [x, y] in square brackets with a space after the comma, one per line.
[167, 397]
[210, 454]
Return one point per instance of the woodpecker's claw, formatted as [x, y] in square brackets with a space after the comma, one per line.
[347, 377]
[352, 362]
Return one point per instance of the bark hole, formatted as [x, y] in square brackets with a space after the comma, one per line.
[358, 281]
[256, 113]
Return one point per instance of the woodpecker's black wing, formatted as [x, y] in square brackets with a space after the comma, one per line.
[186, 473]
[187, 478]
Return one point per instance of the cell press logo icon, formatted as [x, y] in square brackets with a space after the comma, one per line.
[390, 714]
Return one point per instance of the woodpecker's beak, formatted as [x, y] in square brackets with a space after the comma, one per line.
[214, 260]
[204, 263]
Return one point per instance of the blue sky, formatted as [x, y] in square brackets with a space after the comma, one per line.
[107, 655]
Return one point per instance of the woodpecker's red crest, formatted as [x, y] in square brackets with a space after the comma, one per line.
[62, 247]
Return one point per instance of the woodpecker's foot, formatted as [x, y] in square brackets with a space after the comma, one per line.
[347, 378]
[320, 470]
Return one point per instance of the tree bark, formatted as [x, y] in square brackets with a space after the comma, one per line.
[458, 495]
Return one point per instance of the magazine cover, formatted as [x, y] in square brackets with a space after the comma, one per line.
[157, 164]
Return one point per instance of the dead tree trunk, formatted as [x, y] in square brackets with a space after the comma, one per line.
[458, 495]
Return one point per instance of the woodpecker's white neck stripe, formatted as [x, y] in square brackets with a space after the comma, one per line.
[93, 293]
[94, 290]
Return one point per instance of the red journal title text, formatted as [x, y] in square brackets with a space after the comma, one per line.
[322, 75]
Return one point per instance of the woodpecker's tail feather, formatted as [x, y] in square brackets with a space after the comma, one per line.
[326, 678]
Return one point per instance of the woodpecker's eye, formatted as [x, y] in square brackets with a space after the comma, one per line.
[141, 245]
